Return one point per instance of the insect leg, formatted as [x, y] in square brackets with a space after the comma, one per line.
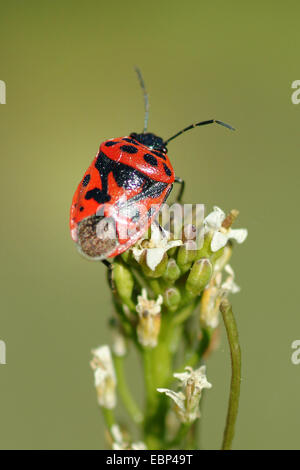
[182, 183]
[110, 274]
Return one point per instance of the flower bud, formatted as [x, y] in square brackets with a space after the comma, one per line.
[159, 269]
[149, 319]
[172, 298]
[172, 272]
[199, 276]
[124, 283]
[186, 255]
[205, 251]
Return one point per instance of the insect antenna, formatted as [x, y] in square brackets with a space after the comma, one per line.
[202, 123]
[146, 98]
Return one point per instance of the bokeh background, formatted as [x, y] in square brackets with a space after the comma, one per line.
[68, 67]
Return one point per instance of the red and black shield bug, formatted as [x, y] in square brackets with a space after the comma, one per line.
[122, 190]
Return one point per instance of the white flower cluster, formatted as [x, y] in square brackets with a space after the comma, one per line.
[213, 224]
[119, 443]
[105, 377]
[156, 247]
[149, 319]
[187, 400]
[213, 294]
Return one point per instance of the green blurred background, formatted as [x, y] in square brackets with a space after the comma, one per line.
[68, 67]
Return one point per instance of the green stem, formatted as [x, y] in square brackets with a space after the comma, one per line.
[151, 423]
[157, 368]
[109, 418]
[183, 314]
[198, 425]
[127, 399]
[192, 436]
[151, 393]
[196, 357]
[181, 436]
[235, 352]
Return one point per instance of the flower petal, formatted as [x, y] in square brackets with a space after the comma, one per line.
[238, 234]
[230, 286]
[154, 257]
[219, 240]
[228, 269]
[182, 376]
[214, 220]
[178, 398]
[158, 234]
[137, 253]
[173, 243]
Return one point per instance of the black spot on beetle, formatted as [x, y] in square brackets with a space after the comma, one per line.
[159, 154]
[110, 143]
[126, 177]
[98, 195]
[167, 170]
[130, 141]
[129, 149]
[150, 159]
[86, 180]
[81, 208]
